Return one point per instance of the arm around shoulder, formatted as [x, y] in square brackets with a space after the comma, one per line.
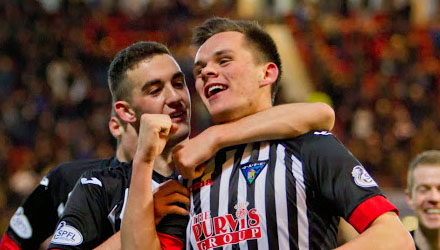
[278, 122]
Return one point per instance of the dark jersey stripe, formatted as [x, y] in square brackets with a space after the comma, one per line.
[291, 201]
[271, 216]
[215, 187]
[233, 183]
[252, 244]
[196, 196]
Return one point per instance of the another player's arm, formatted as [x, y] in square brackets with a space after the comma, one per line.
[278, 122]
[346, 232]
[138, 229]
[112, 243]
[385, 233]
[282, 121]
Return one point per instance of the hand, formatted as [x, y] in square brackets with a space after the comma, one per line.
[154, 132]
[190, 155]
[165, 197]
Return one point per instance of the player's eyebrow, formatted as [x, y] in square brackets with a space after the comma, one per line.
[200, 63]
[158, 81]
[179, 74]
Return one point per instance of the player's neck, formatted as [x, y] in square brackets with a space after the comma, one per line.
[123, 156]
[164, 163]
[427, 239]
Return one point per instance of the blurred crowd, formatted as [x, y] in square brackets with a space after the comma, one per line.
[380, 71]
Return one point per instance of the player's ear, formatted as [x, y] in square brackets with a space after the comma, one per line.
[115, 127]
[125, 112]
[270, 74]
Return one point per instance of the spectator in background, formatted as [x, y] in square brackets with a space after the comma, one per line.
[423, 196]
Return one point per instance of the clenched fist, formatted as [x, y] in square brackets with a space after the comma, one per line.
[154, 132]
[190, 155]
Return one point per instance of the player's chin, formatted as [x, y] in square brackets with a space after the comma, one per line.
[181, 133]
[431, 223]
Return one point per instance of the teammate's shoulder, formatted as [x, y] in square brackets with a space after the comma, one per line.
[312, 136]
[120, 171]
[313, 140]
[79, 166]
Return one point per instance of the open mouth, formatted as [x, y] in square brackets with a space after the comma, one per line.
[214, 89]
[177, 116]
[432, 211]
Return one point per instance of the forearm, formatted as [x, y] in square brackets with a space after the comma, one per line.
[112, 243]
[385, 233]
[346, 232]
[138, 227]
[278, 122]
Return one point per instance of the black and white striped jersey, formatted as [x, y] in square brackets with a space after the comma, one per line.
[36, 218]
[95, 209]
[285, 194]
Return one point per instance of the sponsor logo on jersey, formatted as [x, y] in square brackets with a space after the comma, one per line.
[44, 181]
[20, 224]
[225, 230]
[92, 180]
[322, 133]
[362, 178]
[67, 235]
[200, 184]
[252, 170]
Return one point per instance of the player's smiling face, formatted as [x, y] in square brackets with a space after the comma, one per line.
[228, 77]
[158, 87]
[426, 195]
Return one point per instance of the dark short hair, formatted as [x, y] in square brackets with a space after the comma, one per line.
[427, 157]
[125, 60]
[264, 47]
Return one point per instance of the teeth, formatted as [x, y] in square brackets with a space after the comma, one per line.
[433, 211]
[215, 89]
[173, 115]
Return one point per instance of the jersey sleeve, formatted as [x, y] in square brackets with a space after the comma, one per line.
[342, 181]
[35, 219]
[168, 242]
[81, 225]
[171, 231]
[8, 244]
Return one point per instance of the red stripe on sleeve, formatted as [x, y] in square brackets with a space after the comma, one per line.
[8, 244]
[369, 210]
[168, 242]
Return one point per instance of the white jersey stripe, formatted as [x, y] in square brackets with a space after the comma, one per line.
[224, 186]
[260, 189]
[264, 151]
[224, 183]
[303, 223]
[125, 202]
[246, 154]
[281, 199]
[205, 198]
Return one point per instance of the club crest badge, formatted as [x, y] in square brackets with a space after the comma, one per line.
[362, 178]
[251, 170]
[20, 224]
